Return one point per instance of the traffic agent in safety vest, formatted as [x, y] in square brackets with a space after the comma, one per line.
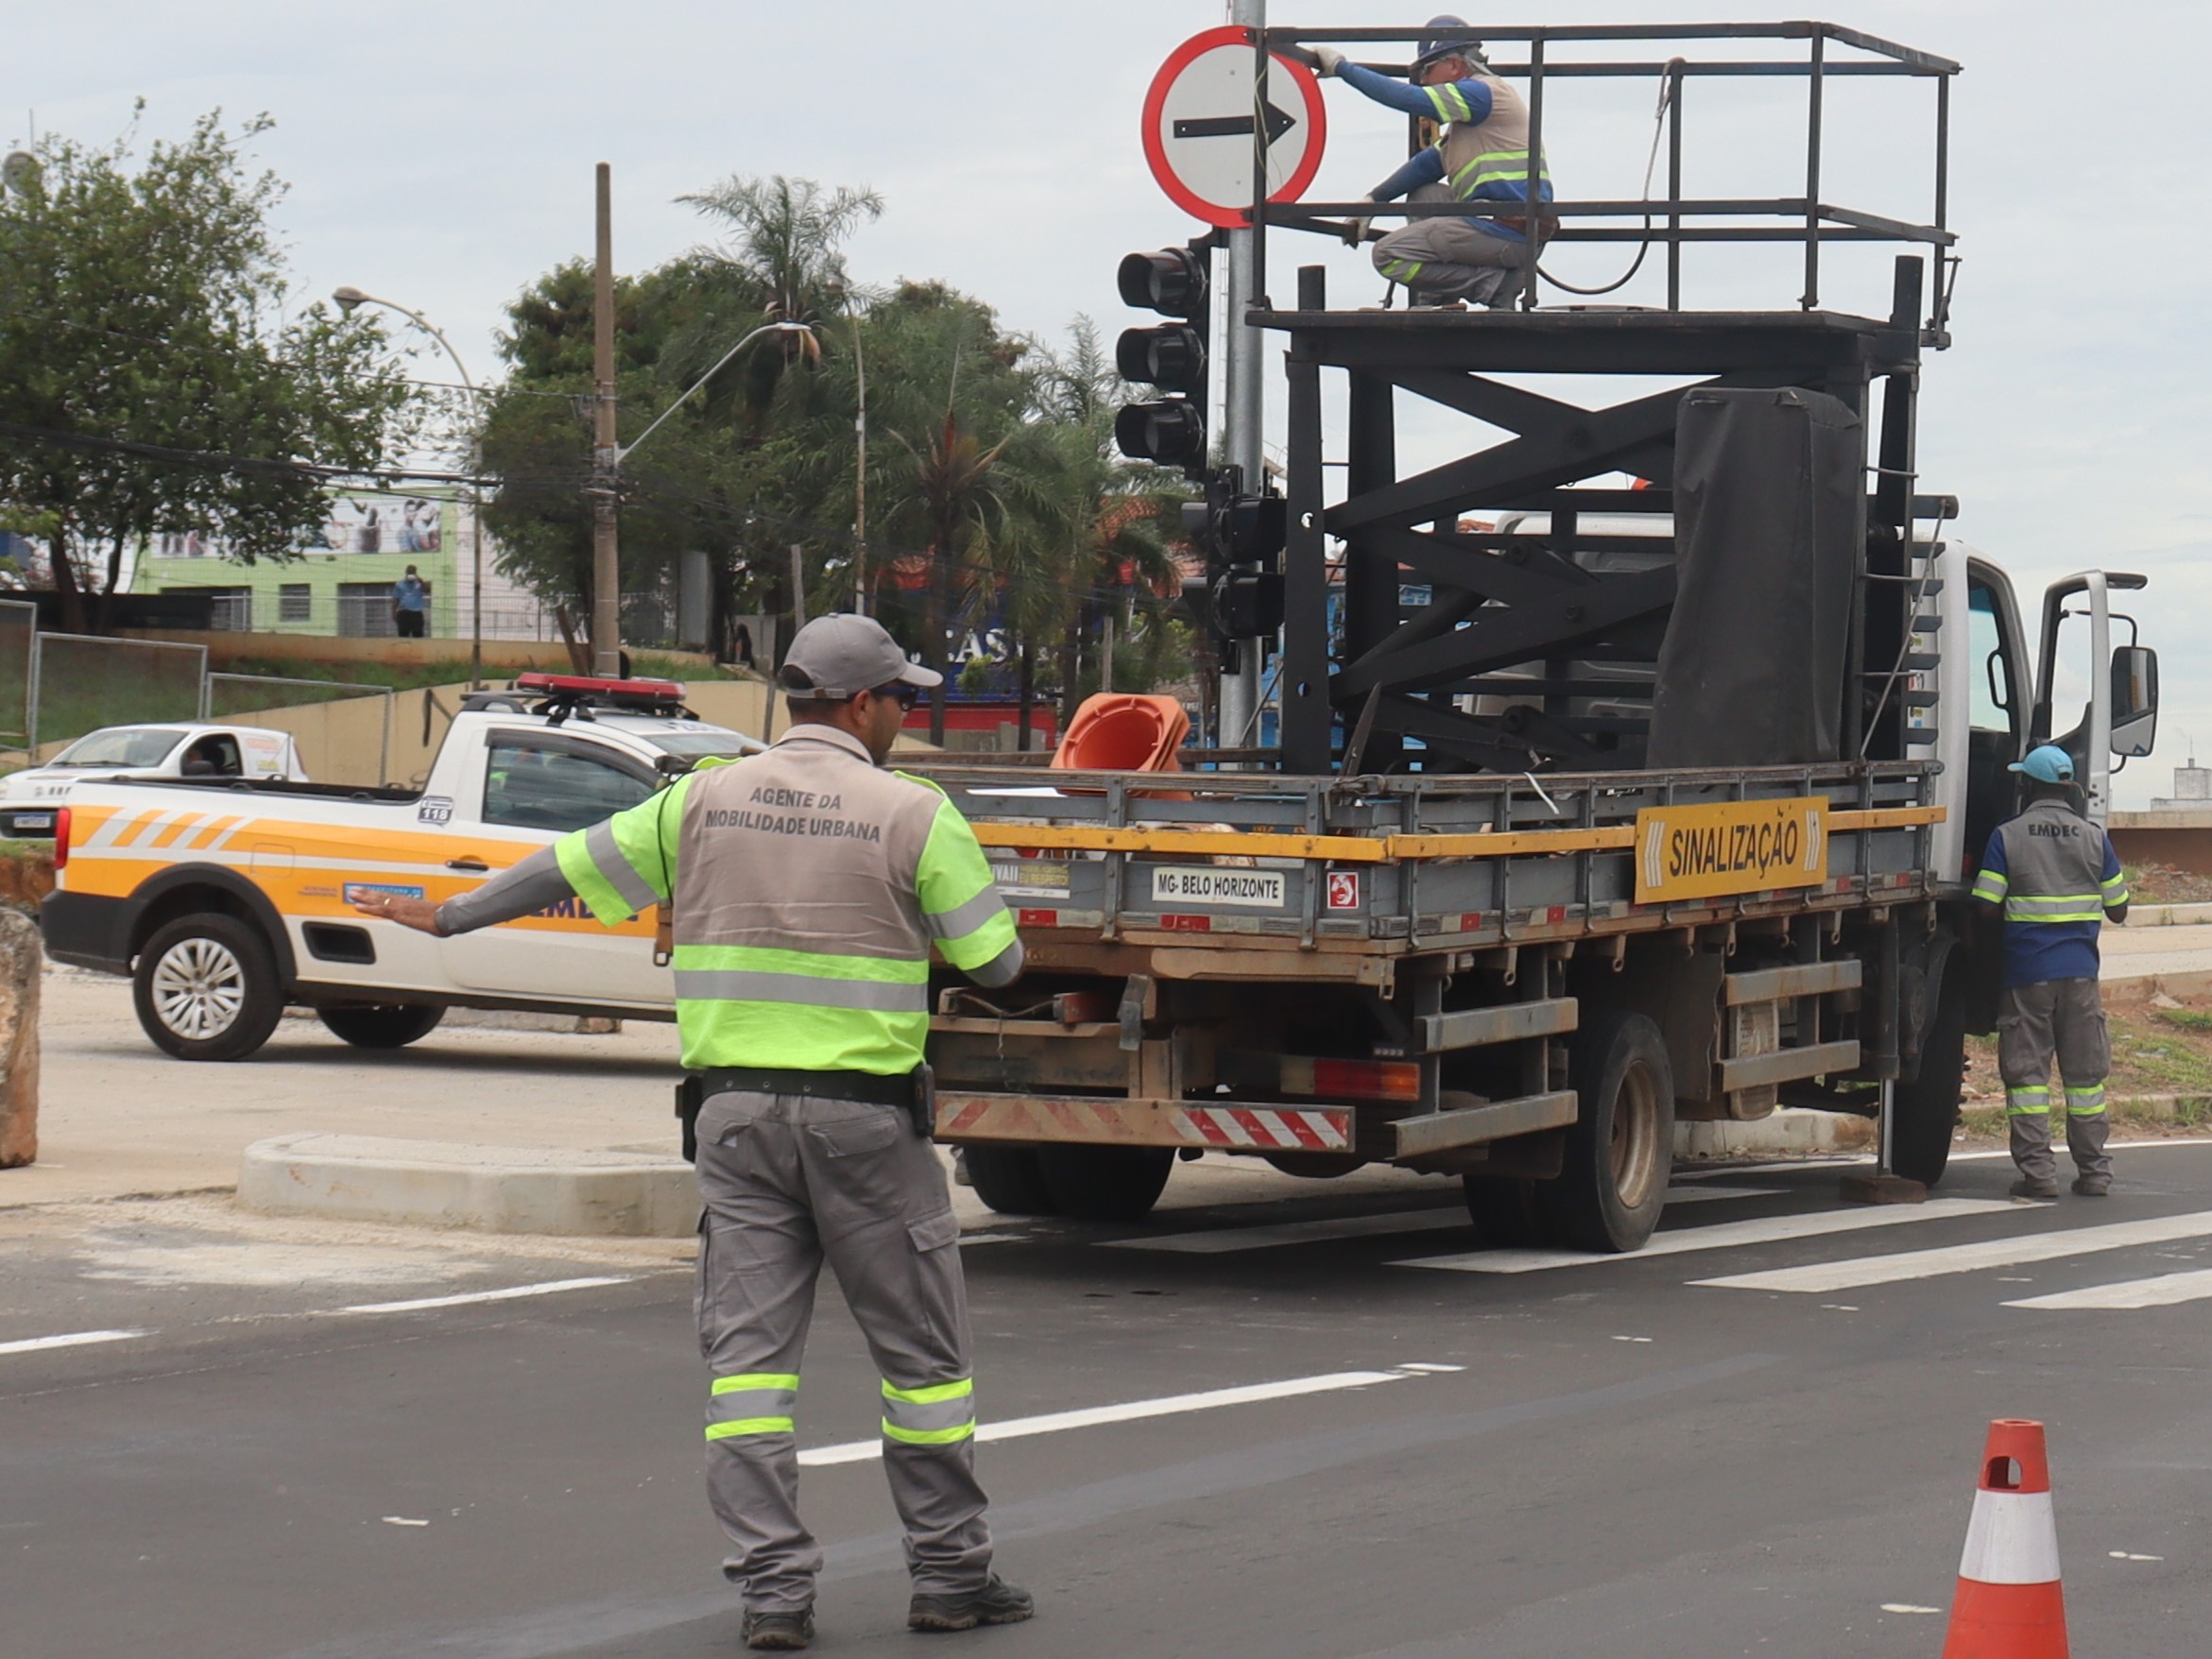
[808, 887]
[1482, 154]
[2056, 879]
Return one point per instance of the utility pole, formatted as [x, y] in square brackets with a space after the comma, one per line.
[606, 457]
[860, 480]
[1241, 359]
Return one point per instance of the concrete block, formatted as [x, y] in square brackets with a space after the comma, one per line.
[1792, 1129]
[454, 1183]
[22, 962]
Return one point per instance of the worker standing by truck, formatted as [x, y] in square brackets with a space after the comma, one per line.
[807, 886]
[1483, 155]
[2056, 879]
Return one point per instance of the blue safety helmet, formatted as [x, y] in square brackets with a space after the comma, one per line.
[2047, 765]
[1446, 36]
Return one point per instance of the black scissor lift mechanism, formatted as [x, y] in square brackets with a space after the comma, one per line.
[1525, 602]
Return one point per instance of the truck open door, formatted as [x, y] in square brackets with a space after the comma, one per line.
[2118, 688]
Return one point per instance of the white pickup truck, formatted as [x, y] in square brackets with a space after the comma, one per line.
[224, 903]
[29, 798]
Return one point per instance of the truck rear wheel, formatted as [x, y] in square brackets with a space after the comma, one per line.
[206, 988]
[383, 1025]
[1621, 1148]
[1927, 1108]
[1010, 1180]
[1106, 1183]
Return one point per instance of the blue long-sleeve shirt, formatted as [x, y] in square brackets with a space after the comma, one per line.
[1452, 100]
[1459, 103]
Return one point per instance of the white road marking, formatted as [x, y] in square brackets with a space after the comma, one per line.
[1856, 1272]
[2165, 1291]
[404, 1521]
[861, 1451]
[2128, 1555]
[1702, 1193]
[511, 1293]
[1222, 1241]
[1726, 1236]
[1907, 1607]
[2159, 1145]
[1415, 1365]
[75, 1339]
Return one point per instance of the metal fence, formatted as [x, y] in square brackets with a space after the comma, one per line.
[233, 696]
[79, 682]
[19, 626]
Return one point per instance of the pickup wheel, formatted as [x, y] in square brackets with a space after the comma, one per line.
[1621, 1148]
[386, 1025]
[1106, 1183]
[206, 988]
[1927, 1108]
[1010, 1180]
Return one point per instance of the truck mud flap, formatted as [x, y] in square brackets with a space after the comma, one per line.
[1075, 1119]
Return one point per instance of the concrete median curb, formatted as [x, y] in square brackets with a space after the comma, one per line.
[1792, 1129]
[488, 1188]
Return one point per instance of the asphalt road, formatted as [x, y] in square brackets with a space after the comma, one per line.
[1417, 1456]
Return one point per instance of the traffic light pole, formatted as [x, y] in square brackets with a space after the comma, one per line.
[1239, 355]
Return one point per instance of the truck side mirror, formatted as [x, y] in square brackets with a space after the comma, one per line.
[2135, 701]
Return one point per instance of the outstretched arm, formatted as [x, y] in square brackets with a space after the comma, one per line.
[1451, 100]
[522, 889]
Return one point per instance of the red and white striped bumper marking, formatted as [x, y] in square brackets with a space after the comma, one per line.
[1146, 1123]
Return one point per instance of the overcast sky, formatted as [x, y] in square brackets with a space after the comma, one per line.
[442, 155]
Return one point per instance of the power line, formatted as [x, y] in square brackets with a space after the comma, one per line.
[217, 460]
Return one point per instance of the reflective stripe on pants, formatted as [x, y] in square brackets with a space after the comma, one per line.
[2062, 1019]
[789, 1183]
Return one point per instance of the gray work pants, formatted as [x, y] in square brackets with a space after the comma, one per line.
[789, 1182]
[1453, 259]
[2065, 1016]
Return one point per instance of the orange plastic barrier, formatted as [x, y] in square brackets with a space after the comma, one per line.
[1119, 731]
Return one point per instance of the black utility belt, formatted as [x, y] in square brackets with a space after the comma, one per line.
[912, 1092]
[872, 1087]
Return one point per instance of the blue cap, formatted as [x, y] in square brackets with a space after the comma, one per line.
[2047, 765]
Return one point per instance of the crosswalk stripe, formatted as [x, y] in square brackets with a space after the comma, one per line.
[2165, 1291]
[1222, 1241]
[1727, 1235]
[1955, 1258]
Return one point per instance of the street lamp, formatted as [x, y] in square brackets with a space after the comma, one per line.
[350, 300]
[607, 468]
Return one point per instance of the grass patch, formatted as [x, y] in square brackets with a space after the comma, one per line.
[2185, 1018]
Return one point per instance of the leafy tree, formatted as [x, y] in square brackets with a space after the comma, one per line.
[145, 305]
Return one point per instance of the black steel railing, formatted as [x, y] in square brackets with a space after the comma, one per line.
[1673, 219]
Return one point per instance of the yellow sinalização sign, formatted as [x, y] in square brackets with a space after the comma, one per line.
[1730, 847]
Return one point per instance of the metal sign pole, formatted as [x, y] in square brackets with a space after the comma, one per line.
[1240, 357]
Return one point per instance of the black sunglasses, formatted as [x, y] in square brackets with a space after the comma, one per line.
[909, 696]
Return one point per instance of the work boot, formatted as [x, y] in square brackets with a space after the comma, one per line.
[2092, 1186]
[997, 1602]
[783, 1633]
[2028, 1187]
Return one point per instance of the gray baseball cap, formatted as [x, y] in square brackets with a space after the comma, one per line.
[839, 656]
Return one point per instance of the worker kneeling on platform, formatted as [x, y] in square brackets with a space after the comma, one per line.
[1483, 155]
[2056, 877]
[807, 886]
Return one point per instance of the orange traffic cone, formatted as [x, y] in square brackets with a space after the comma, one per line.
[2009, 1604]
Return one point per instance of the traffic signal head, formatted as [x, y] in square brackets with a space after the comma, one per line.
[1171, 432]
[1172, 357]
[1171, 282]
